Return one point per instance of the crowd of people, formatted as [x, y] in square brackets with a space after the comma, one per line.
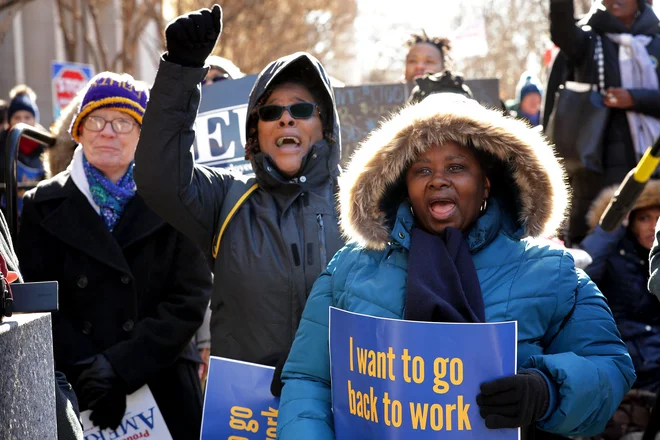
[448, 212]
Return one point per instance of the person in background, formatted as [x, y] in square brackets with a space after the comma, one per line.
[625, 27]
[426, 55]
[29, 168]
[620, 268]
[529, 93]
[132, 290]
[285, 230]
[448, 193]
[220, 69]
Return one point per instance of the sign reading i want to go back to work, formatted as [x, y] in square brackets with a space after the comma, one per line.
[394, 379]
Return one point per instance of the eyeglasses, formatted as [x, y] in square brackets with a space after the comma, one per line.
[97, 123]
[299, 110]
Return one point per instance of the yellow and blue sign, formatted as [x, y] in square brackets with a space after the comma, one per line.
[238, 404]
[394, 379]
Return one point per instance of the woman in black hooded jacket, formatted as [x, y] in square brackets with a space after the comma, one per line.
[284, 234]
[612, 21]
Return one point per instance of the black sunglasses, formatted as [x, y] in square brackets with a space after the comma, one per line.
[299, 110]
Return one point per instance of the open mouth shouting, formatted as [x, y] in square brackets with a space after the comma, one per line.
[441, 208]
[288, 142]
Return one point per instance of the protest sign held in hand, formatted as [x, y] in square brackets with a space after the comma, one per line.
[142, 419]
[405, 379]
[238, 404]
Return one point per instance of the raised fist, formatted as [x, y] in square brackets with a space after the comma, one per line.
[191, 37]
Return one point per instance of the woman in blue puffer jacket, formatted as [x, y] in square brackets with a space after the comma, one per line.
[448, 180]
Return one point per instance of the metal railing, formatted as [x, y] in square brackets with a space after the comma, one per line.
[14, 137]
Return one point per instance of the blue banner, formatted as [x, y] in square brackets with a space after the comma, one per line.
[238, 404]
[394, 379]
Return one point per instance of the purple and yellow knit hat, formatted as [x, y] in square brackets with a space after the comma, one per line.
[113, 91]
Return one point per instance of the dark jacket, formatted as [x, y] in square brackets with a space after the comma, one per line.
[578, 44]
[620, 268]
[136, 294]
[279, 240]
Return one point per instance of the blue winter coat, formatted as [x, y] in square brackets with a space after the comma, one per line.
[536, 285]
[565, 328]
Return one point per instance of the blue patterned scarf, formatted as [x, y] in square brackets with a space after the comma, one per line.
[111, 197]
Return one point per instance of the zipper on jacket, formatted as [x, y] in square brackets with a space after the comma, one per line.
[322, 251]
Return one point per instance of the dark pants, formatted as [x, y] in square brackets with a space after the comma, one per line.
[178, 393]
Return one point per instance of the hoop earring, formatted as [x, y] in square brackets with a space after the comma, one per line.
[484, 205]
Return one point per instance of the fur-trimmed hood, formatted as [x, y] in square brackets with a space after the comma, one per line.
[57, 158]
[649, 197]
[541, 194]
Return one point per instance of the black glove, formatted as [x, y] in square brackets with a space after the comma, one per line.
[514, 401]
[276, 385]
[102, 391]
[276, 360]
[108, 411]
[191, 37]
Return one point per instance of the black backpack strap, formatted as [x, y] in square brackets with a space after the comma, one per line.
[240, 189]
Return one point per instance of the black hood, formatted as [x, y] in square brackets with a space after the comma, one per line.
[274, 73]
[600, 20]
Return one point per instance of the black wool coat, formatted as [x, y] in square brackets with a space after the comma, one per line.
[137, 294]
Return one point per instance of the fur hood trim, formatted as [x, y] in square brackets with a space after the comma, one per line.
[384, 156]
[58, 157]
[649, 197]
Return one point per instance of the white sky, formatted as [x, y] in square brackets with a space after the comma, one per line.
[392, 21]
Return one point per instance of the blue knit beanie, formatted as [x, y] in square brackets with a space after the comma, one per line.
[112, 91]
[23, 101]
[529, 87]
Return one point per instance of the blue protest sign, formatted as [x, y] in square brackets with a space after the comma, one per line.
[394, 379]
[238, 404]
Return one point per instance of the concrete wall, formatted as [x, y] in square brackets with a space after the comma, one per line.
[27, 378]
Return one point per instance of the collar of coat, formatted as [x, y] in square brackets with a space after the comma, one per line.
[540, 193]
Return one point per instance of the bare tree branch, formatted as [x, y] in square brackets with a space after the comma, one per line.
[9, 4]
[100, 46]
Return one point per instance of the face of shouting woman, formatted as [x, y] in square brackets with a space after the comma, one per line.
[446, 187]
[287, 139]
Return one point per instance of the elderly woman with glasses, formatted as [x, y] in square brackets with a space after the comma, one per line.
[284, 233]
[132, 289]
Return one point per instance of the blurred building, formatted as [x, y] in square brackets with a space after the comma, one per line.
[35, 39]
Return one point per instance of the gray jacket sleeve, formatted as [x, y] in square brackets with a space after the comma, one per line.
[203, 335]
[187, 196]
